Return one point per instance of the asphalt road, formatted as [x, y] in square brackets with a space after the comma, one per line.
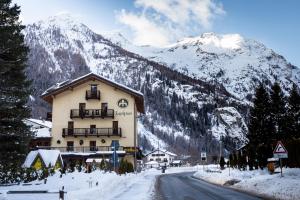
[183, 186]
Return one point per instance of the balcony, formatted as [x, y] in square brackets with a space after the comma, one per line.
[99, 132]
[92, 94]
[86, 149]
[92, 113]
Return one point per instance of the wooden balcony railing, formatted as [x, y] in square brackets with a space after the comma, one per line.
[92, 113]
[82, 148]
[92, 95]
[99, 132]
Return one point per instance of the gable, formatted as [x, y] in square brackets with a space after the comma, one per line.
[69, 85]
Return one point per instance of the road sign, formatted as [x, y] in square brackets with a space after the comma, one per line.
[280, 151]
[203, 155]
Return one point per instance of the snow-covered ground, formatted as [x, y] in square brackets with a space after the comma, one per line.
[82, 186]
[257, 181]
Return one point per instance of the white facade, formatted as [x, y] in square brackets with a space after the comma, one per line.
[161, 156]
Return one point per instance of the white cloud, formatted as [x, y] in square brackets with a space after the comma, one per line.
[162, 21]
[145, 31]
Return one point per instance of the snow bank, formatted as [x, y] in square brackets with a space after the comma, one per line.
[258, 181]
[82, 186]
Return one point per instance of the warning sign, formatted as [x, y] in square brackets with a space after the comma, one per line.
[280, 151]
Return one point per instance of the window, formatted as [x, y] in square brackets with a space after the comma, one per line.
[70, 127]
[70, 146]
[103, 109]
[81, 106]
[165, 160]
[93, 129]
[93, 146]
[115, 127]
[151, 159]
[93, 89]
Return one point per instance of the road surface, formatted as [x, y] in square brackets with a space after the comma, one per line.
[183, 186]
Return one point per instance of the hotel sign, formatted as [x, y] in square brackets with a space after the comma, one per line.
[123, 103]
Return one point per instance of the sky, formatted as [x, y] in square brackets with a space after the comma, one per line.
[276, 23]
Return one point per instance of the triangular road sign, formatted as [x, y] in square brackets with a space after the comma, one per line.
[280, 149]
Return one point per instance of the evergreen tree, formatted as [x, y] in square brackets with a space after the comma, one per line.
[261, 126]
[293, 113]
[14, 91]
[278, 114]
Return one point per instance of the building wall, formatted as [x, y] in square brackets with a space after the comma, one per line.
[65, 101]
[153, 157]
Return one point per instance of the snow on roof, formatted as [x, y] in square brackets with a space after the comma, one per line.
[41, 122]
[67, 82]
[42, 133]
[170, 153]
[162, 151]
[48, 157]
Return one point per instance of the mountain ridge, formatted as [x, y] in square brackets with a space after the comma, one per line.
[180, 107]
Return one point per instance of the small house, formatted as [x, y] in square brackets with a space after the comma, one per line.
[162, 157]
[42, 133]
[42, 158]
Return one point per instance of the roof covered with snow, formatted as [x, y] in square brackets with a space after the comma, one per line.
[162, 151]
[42, 133]
[65, 85]
[40, 128]
[44, 123]
[48, 157]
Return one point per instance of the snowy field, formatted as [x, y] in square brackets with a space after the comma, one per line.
[257, 181]
[82, 186]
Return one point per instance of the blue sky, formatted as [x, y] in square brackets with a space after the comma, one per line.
[159, 22]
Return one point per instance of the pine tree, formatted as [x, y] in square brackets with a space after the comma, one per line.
[278, 114]
[261, 126]
[293, 113]
[14, 91]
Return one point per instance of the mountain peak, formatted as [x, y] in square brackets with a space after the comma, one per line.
[226, 41]
[62, 20]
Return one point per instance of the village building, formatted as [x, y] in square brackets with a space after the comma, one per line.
[162, 157]
[42, 158]
[94, 118]
[41, 130]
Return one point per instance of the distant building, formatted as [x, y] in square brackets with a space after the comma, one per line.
[162, 157]
[42, 133]
[176, 163]
[43, 158]
[90, 115]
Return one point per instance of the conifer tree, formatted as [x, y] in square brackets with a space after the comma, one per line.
[293, 113]
[278, 114]
[261, 127]
[14, 91]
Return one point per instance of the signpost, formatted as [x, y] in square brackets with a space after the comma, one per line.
[280, 152]
[203, 158]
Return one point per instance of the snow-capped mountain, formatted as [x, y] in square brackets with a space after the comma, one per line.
[177, 81]
[232, 60]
